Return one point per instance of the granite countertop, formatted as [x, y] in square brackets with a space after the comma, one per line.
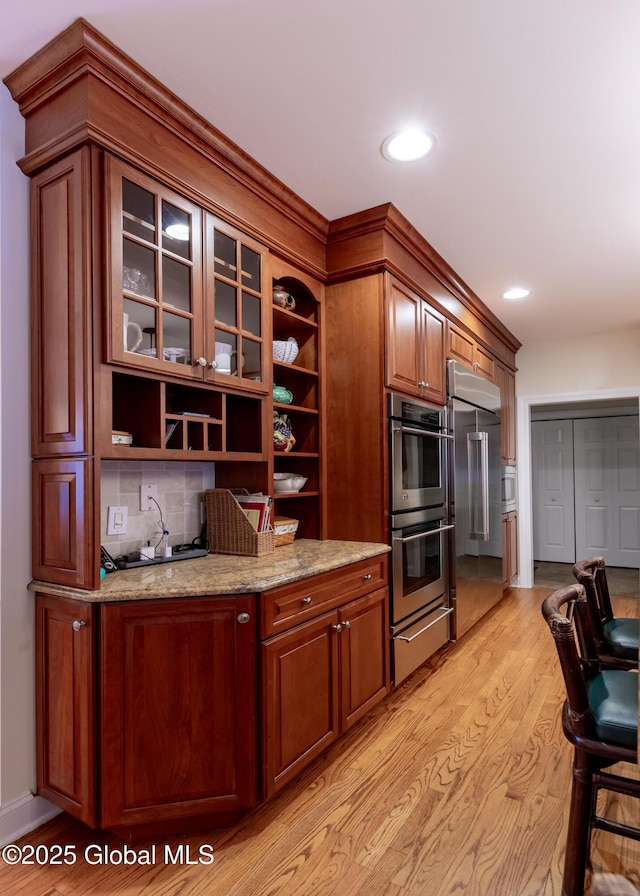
[222, 573]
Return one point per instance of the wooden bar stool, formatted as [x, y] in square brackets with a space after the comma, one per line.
[615, 638]
[600, 719]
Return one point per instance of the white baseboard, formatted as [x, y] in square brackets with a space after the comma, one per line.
[24, 814]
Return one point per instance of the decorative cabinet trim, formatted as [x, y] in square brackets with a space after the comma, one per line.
[61, 334]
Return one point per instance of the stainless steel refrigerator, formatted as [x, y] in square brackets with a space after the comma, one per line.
[473, 417]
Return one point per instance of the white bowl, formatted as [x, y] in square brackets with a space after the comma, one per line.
[288, 482]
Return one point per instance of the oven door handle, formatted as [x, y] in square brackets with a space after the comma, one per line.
[423, 534]
[423, 630]
[422, 432]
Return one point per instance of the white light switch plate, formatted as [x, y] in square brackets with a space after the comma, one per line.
[117, 520]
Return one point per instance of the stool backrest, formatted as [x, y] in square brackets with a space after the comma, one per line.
[565, 612]
[592, 575]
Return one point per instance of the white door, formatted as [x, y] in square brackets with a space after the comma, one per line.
[607, 487]
[553, 491]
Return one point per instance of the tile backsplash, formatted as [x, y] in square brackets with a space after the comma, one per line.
[181, 488]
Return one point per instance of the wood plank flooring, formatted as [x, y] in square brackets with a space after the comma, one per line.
[457, 784]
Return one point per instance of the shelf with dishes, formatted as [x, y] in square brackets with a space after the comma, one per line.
[296, 322]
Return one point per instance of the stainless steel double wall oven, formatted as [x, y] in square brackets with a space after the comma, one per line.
[420, 533]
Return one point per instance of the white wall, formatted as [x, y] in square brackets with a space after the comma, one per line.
[19, 810]
[588, 364]
[601, 367]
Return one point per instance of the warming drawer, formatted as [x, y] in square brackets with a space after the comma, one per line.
[416, 643]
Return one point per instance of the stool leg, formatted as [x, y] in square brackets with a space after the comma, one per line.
[579, 830]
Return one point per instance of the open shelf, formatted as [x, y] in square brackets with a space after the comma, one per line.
[176, 421]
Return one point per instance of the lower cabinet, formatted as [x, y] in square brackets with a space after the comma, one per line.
[319, 678]
[147, 709]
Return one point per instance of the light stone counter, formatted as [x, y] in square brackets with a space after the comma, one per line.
[222, 573]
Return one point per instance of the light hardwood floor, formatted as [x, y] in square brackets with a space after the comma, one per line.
[457, 784]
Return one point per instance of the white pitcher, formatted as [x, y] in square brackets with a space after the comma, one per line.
[126, 323]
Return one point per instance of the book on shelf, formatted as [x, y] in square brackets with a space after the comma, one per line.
[257, 509]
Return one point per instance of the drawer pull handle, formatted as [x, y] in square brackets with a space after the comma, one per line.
[368, 577]
[243, 617]
[307, 600]
[337, 627]
[77, 625]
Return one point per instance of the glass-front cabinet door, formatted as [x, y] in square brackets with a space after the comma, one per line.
[156, 275]
[235, 307]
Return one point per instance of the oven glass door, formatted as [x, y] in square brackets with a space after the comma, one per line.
[419, 566]
[418, 478]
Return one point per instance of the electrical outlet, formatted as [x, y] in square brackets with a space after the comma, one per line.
[148, 495]
[117, 520]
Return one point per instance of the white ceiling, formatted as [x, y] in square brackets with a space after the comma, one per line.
[536, 178]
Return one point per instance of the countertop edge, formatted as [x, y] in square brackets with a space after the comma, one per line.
[218, 574]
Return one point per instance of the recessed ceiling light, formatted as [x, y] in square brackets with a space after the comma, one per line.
[406, 146]
[178, 231]
[517, 292]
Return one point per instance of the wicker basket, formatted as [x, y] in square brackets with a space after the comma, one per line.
[284, 530]
[229, 530]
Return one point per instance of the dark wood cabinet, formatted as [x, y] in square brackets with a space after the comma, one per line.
[62, 308]
[328, 666]
[64, 531]
[463, 347]
[147, 710]
[178, 684]
[300, 698]
[415, 344]
[364, 648]
[66, 711]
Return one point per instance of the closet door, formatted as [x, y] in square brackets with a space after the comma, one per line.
[607, 488]
[553, 494]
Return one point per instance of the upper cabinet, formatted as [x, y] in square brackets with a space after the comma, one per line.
[186, 291]
[464, 348]
[415, 344]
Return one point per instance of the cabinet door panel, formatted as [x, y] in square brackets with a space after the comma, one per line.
[61, 308]
[65, 705]
[433, 355]
[364, 648]
[403, 328]
[179, 708]
[154, 263]
[300, 697]
[64, 538]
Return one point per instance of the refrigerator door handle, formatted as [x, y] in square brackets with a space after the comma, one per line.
[478, 466]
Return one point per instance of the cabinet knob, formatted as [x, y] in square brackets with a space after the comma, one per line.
[213, 364]
[346, 624]
[337, 627]
[243, 617]
[307, 600]
[368, 577]
[77, 624]
[202, 362]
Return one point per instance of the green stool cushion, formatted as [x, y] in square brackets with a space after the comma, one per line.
[613, 698]
[621, 636]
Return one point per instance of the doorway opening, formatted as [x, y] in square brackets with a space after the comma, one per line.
[533, 409]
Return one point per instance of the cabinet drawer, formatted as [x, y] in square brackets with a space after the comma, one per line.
[282, 608]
